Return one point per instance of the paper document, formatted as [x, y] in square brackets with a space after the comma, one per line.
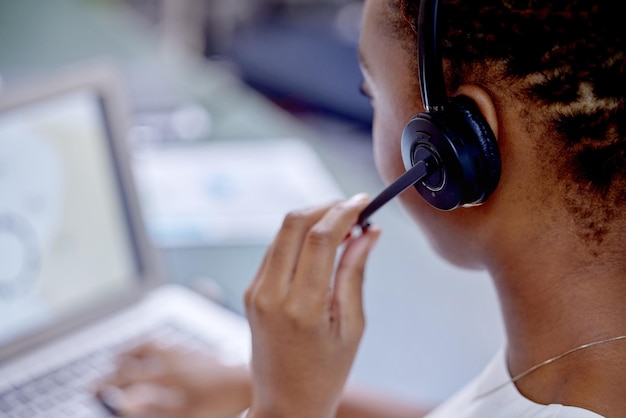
[228, 192]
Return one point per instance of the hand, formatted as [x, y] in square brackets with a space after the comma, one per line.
[307, 322]
[153, 381]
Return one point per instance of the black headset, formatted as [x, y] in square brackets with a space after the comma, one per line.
[449, 151]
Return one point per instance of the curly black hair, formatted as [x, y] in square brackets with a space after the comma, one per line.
[569, 57]
[565, 59]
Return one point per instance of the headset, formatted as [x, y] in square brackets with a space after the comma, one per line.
[449, 151]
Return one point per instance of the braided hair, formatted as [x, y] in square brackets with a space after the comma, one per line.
[568, 58]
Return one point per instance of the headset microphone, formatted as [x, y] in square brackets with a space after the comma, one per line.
[421, 170]
[449, 151]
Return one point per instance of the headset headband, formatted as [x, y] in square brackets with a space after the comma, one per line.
[450, 154]
[429, 61]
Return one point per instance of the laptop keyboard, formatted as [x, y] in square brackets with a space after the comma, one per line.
[66, 392]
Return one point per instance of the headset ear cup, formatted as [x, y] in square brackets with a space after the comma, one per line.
[490, 165]
[466, 151]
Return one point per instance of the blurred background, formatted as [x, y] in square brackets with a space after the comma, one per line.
[227, 71]
[300, 53]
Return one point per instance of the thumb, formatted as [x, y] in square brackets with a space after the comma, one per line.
[348, 294]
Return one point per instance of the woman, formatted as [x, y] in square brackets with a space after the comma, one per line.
[548, 78]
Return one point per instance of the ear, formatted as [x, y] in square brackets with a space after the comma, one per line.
[483, 101]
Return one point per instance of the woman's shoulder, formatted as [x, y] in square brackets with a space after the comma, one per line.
[493, 394]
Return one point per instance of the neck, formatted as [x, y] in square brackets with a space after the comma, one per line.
[555, 297]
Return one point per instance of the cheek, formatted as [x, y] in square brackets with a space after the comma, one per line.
[386, 135]
[445, 230]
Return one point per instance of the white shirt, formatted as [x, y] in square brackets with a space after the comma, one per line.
[505, 402]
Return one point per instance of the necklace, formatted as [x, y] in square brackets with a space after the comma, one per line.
[551, 360]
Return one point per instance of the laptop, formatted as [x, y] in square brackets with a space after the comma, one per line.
[79, 281]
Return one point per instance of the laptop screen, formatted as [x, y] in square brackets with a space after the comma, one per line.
[64, 240]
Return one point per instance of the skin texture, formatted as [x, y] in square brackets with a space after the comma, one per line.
[306, 329]
[156, 381]
[557, 289]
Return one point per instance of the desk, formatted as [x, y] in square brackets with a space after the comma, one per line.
[431, 327]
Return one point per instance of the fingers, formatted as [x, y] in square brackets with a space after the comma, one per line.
[143, 401]
[154, 381]
[273, 278]
[348, 295]
[143, 384]
[144, 349]
[147, 362]
[297, 336]
[311, 285]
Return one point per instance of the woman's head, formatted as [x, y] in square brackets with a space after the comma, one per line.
[549, 78]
